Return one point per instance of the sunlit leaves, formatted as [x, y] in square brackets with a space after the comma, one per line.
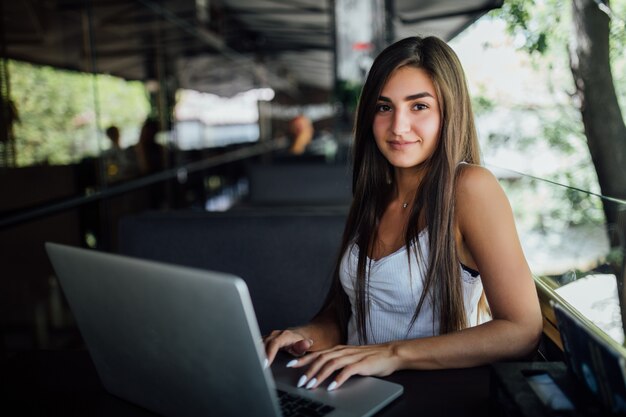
[59, 121]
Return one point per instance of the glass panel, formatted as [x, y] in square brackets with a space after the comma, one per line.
[571, 246]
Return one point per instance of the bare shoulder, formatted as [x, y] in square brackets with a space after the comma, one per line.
[476, 181]
[478, 193]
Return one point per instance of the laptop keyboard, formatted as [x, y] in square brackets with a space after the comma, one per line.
[295, 406]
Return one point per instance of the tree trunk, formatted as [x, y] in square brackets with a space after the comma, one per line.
[601, 115]
[602, 118]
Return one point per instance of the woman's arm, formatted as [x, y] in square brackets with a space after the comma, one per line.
[488, 241]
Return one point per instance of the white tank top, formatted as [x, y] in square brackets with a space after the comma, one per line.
[395, 290]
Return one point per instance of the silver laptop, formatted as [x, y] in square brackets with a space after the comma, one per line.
[185, 342]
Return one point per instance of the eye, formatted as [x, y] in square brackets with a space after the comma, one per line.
[383, 108]
[419, 106]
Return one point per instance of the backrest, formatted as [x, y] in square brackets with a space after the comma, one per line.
[285, 257]
[299, 184]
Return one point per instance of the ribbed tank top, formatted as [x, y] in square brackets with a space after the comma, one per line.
[395, 290]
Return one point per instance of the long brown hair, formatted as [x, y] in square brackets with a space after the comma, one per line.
[434, 201]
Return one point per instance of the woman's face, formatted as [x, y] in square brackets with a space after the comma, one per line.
[407, 121]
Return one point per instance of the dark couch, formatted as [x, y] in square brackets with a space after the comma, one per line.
[285, 257]
[299, 184]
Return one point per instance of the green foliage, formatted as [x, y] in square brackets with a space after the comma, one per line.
[551, 208]
[539, 25]
[122, 103]
[542, 28]
[58, 122]
[568, 200]
[482, 104]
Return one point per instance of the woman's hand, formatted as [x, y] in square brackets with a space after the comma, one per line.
[379, 360]
[290, 340]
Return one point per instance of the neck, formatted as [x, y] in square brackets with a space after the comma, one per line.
[407, 182]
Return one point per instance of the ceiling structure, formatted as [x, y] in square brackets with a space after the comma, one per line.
[217, 46]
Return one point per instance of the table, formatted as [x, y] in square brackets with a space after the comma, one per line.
[65, 383]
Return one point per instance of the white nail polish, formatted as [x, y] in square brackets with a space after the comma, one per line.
[266, 363]
[302, 381]
[311, 383]
[332, 386]
[292, 363]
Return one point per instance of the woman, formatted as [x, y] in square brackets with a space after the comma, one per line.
[430, 235]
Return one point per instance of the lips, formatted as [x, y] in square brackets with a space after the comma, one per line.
[400, 144]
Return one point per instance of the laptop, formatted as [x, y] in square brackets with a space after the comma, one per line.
[596, 360]
[185, 342]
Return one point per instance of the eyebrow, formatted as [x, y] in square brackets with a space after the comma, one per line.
[408, 98]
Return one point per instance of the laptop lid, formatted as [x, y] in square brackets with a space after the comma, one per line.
[185, 342]
[595, 359]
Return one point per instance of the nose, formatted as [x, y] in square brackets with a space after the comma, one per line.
[401, 123]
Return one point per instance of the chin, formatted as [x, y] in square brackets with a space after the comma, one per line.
[406, 164]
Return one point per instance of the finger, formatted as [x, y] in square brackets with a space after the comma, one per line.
[277, 340]
[271, 350]
[356, 368]
[330, 358]
[272, 346]
[304, 360]
[370, 364]
[332, 365]
[317, 359]
[280, 340]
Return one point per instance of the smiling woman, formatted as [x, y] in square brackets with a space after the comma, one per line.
[430, 273]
